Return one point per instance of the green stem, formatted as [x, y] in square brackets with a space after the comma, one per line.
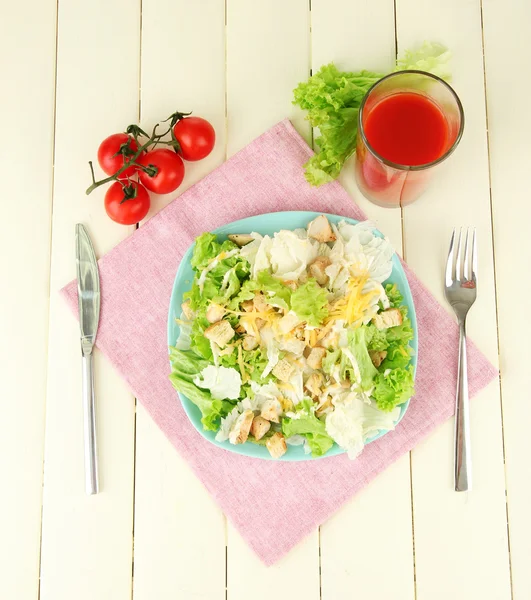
[153, 139]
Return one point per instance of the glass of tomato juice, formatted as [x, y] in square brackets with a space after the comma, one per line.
[409, 123]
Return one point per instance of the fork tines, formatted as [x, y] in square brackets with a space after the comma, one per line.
[464, 265]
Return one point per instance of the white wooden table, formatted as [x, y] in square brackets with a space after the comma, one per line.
[75, 71]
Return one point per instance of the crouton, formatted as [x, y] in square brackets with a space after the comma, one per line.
[240, 239]
[319, 229]
[259, 427]
[324, 407]
[316, 269]
[187, 311]
[288, 322]
[283, 370]
[391, 317]
[276, 445]
[315, 358]
[260, 303]
[313, 383]
[293, 345]
[247, 305]
[220, 332]
[377, 357]
[215, 312]
[293, 285]
[260, 323]
[240, 430]
[240, 329]
[249, 342]
[271, 410]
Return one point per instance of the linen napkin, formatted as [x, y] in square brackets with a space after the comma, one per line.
[136, 283]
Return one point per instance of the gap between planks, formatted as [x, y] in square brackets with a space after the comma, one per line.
[495, 291]
[47, 341]
[135, 399]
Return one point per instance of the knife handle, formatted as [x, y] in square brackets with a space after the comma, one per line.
[89, 417]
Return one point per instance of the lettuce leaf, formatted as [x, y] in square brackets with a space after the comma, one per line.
[394, 388]
[431, 57]
[398, 356]
[275, 290]
[330, 360]
[247, 292]
[401, 334]
[333, 99]
[185, 365]
[309, 302]
[206, 247]
[393, 295]
[358, 347]
[199, 343]
[314, 430]
[376, 338]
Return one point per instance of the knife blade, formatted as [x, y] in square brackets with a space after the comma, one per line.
[88, 289]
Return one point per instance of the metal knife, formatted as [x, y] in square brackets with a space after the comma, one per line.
[88, 289]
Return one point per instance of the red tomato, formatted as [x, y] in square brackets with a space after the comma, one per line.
[126, 211]
[196, 136]
[110, 156]
[169, 171]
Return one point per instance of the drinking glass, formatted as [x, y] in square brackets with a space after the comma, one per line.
[392, 184]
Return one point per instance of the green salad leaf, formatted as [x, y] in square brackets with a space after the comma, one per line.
[276, 291]
[330, 359]
[394, 388]
[376, 338]
[310, 427]
[431, 57]
[333, 99]
[309, 302]
[358, 346]
[247, 292]
[185, 365]
[393, 295]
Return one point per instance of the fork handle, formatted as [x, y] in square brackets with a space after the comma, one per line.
[463, 462]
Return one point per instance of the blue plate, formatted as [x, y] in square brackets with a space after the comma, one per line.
[268, 224]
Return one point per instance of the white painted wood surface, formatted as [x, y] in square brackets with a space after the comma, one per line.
[154, 532]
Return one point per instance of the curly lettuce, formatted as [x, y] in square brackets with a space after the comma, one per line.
[311, 428]
[333, 99]
[394, 388]
[185, 365]
[309, 302]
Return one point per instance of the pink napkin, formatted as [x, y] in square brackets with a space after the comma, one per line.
[273, 505]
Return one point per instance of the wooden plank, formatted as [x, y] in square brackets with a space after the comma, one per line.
[460, 540]
[28, 129]
[386, 535]
[267, 55]
[87, 540]
[179, 530]
[372, 47]
[184, 70]
[509, 134]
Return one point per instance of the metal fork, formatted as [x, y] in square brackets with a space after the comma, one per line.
[460, 291]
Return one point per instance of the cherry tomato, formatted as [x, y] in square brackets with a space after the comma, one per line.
[169, 167]
[126, 211]
[111, 158]
[196, 137]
